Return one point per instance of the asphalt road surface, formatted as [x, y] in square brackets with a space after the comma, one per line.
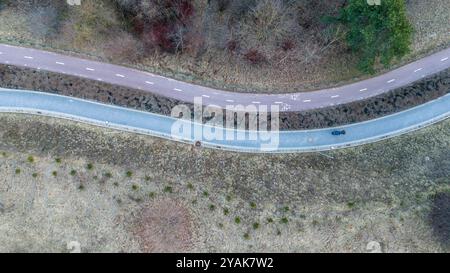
[22, 101]
[167, 87]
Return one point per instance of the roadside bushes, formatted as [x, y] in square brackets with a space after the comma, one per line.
[160, 24]
[44, 17]
[91, 26]
[255, 32]
[124, 47]
[267, 24]
[254, 56]
[376, 33]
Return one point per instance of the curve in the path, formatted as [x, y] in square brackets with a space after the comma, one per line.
[162, 126]
[113, 74]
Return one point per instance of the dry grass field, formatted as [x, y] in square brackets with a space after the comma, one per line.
[63, 182]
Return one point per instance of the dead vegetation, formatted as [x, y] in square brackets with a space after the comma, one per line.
[266, 46]
[140, 192]
[164, 225]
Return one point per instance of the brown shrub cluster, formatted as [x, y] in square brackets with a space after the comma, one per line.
[160, 24]
[256, 32]
[164, 226]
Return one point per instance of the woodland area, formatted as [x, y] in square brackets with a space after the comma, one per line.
[232, 44]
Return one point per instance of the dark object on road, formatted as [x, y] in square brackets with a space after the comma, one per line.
[338, 132]
[198, 144]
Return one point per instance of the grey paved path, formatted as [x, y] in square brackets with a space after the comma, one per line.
[275, 142]
[128, 77]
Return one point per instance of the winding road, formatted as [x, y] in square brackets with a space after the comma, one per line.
[128, 77]
[22, 101]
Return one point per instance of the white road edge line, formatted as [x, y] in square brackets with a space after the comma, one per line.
[147, 82]
[90, 69]
[307, 101]
[120, 76]
[206, 96]
[60, 63]
[417, 70]
[391, 81]
[335, 96]
[362, 90]
[229, 100]
[178, 90]
[28, 57]
[445, 59]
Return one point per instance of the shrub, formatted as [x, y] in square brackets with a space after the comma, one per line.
[124, 47]
[30, 159]
[94, 21]
[288, 45]
[232, 45]
[268, 21]
[255, 225]
[163, 226]
[168, 189]
[55, 173]
[34, 175]
[129, 173]
[376, 31]
[58, 160]
[351, 204]
[254, 57]
[160, 24]
[226, 211]
[237, 220]
[73, 172]
[90, 166]
[17, 171]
